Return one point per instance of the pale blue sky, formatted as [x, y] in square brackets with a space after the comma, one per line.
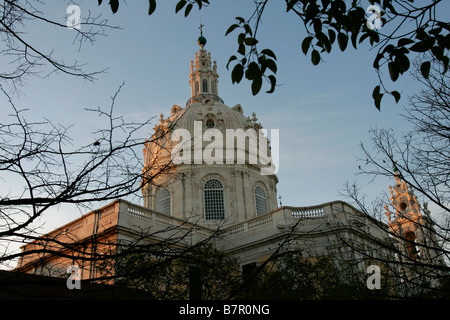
[322, 112]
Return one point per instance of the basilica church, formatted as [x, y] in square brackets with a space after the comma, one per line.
[210, 173]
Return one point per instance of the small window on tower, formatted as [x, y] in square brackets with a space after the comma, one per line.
[205, 85]
[403, 206]
[411, 246]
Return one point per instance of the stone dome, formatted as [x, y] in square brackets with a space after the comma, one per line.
[213, 114]
[217, 162]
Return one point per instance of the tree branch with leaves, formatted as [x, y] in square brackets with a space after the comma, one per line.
[403, 30]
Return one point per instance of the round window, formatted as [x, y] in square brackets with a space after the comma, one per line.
[210, 124]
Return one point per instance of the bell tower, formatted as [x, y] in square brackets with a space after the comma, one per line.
[411, 225]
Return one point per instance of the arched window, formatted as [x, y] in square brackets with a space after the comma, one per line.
[411, 246]
[163, 201]
[403, 206]
[214, 204]
[196, 87]
[260, 199]
[205, 85]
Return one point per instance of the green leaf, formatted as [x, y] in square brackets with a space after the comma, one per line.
[188, 9]
[312, 11]
[256, 85]
[403, 62]
[354, 39]
[396, 95]
[271, 65]
[232, 58]
[324, 42]
[180, 5]
[445, 61]
[376, 62]
[240, 19]
[364, 36]
[241, 49]
[231, 28]
[438, 52]
[376, 91]
[241, 38]
[199, 3]
[389, 48]
[421, 46]
[376, 95]
[306, 43]
[151, 7]
[404, 41]
[237, 73]
[374, 38]
[248, 29]
[317, 26]
[315, 57]
[331, 35]
[273, 83]
[114, 4]
[342, 41]
[393, 71]
[425, 69]
[250, 41]
[435, 31]
[269, 53]
[253, 71]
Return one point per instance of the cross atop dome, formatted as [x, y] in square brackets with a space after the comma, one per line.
[201, 40]
[201, 27]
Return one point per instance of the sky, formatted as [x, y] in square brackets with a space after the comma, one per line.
[322, 112]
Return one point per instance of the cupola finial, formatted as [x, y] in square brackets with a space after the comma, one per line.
[201, 40]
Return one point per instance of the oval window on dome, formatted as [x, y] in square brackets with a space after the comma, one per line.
[210, 123]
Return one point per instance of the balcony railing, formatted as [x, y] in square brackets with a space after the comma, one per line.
[125, 214]
[280, 216]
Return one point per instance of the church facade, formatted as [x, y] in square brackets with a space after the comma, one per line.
[210, 174]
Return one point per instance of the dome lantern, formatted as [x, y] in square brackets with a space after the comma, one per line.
[203, 75]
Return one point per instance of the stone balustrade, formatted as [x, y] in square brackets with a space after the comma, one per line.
[128, 216]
